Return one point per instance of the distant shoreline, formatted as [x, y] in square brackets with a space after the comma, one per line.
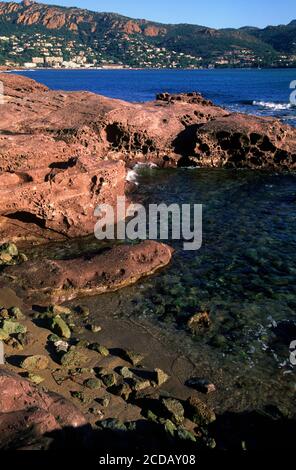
[20, 69]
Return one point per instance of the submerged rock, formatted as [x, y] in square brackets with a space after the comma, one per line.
[199, 322]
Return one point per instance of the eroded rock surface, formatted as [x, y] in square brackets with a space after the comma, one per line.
[81, 123]
[61, 197]
[60, 280]
[39, 124]
[241, 141]
[62, 153]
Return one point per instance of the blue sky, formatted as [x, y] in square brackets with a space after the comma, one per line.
[214, 13]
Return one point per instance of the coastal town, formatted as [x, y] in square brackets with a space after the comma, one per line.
[41, 50]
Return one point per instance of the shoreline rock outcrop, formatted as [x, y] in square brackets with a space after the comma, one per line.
[62, 153]
[56, 281]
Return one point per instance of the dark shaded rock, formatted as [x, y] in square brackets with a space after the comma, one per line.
[133, 357]
[201, 385]
[123, 390]
[199, 412]
[174, 409]
[113, 425]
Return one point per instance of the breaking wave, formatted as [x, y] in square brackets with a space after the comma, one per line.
[272, 105]
[132, 175]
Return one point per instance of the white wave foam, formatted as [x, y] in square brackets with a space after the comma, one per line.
[131, 177]
[272, 105]
[140, 165]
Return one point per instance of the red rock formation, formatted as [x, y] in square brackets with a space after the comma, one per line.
[71, 135]
[54, 17]
[55, 281]
[63, 196]
[241, 141]
[27, 412]
[85, 123]
[131, 27]
[154, 31]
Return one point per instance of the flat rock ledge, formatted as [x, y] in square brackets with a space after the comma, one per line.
[56, 281]
[27, 412]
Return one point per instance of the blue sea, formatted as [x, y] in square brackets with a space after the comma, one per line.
[262, 92]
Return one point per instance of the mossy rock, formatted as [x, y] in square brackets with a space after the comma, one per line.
[73, 359]
[100, 349]
[60, 327]
[37, 362]
[174, 409]
[109, 380]
[16, 313]
[93, 383]
[113, 425]
[12, 327]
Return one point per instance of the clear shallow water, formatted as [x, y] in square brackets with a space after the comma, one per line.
[244, 276]
[262, 92]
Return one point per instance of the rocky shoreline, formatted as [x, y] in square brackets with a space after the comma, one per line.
[62, 154]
